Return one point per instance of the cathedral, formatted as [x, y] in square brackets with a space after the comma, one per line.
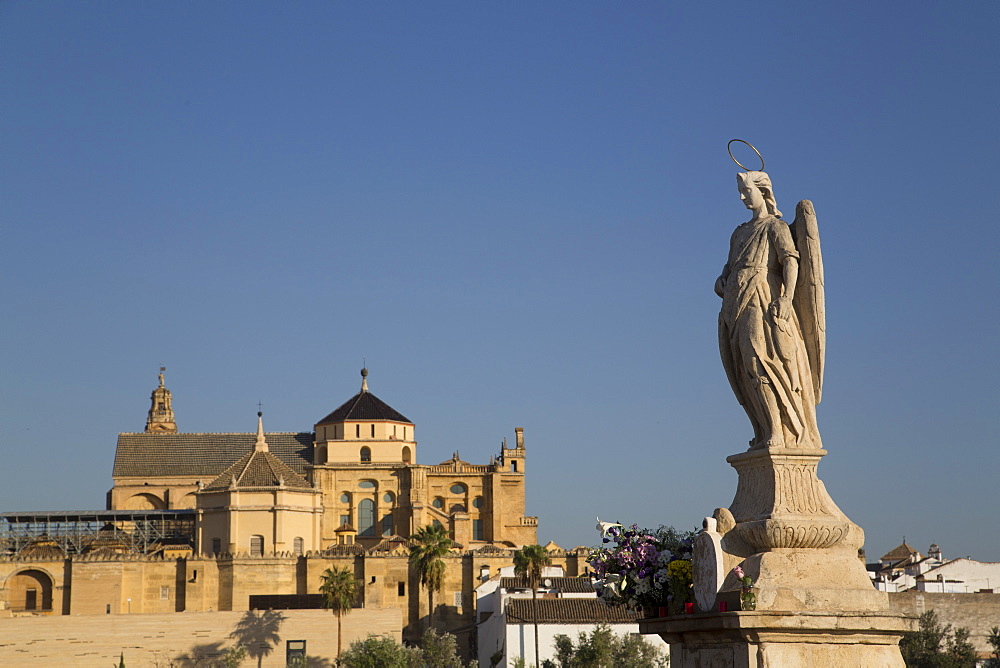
[239, 521]
[353, 480]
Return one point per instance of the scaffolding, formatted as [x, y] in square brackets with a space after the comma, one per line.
[131, 531]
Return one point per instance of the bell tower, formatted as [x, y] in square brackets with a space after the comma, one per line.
[161, 413]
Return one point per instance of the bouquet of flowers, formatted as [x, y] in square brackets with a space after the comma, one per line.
[640, 568]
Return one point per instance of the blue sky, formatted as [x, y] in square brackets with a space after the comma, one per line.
[516, 212]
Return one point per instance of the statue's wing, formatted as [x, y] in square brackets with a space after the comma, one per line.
[809, 300]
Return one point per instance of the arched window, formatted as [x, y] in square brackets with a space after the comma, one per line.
[387, 525]
[256, 546]
[366, 518]
[438, 524]
[366, 454]
[406, 455]
[298, 545]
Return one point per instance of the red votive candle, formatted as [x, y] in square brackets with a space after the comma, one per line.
[723, 606]
[689, 608]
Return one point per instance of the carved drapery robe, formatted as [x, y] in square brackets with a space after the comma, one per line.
[764, 355]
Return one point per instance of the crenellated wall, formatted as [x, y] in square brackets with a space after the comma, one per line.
[102, 585]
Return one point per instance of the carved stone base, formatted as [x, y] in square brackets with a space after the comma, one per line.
[782, 640]
[808, 580]
[794, 542]
[780, 502]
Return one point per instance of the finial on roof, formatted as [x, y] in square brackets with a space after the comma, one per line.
[364, 379]
[162, 369]
[261, 444]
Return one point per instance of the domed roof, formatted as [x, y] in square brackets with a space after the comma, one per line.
[364, 406]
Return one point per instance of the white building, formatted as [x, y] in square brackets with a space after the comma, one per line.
[961, 576]
[905, 569]
[567, 606]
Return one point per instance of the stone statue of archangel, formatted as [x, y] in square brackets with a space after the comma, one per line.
[772, 326]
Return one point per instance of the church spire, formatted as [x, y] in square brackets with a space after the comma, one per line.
[160, 419]
[261, 444]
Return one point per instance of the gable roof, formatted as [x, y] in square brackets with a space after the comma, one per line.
[202, 455]
[364, 406]
[257, 469]
[566, 611]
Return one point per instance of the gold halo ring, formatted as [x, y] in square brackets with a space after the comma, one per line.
[728, 148]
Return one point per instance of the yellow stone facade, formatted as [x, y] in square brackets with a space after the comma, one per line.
[273, 511]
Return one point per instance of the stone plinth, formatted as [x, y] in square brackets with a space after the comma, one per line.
[782, 639]
[790, 537]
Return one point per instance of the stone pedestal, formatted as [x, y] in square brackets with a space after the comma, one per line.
[792, 539]
[816, 605]
[782, 639]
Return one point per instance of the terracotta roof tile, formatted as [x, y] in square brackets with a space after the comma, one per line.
[152, 455]
[364, 406]
[256, 469]
[563, 584]
[566, 611]
[903, 551]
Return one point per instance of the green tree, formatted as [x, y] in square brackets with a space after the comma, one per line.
[234, 656]
[439, 651]
[936, 646]
[994, 641]
[961, 652]
[435, 651]
[603, 649]
[528, 563]
[431, 544]
[378, 652]
[339, 589]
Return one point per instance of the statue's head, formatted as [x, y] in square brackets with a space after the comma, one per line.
[757, 184]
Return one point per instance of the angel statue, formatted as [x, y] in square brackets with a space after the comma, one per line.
[772, 326]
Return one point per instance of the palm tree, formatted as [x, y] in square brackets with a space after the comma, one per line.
[339, 589]
[431, 543]
[528, 563]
